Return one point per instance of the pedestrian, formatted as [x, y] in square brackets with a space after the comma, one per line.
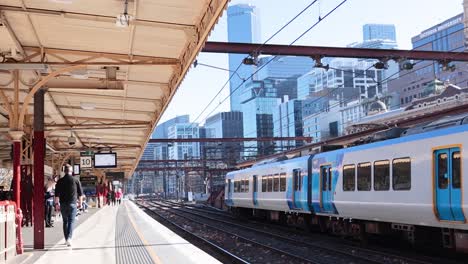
[49, 201]
[113, 197]
[101, 189]
[68, 191]
[84, 205]
[118, 196]
[109, 197]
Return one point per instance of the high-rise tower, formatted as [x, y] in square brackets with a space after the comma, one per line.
[243, 27]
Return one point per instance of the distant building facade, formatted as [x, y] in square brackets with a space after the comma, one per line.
[243, 27]
[287, 122]
[283, 67]
[378, 31]
[446, 36]
[224, 125]
[183, 150]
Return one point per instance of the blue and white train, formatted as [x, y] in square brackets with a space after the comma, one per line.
[412, 184]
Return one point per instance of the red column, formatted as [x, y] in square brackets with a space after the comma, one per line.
[17, 172]
[16, 136]
[39, 156]
[38, 198]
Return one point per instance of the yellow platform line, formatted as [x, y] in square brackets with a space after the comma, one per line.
[149, 248]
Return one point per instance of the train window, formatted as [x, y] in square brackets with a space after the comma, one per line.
[235, 186]
[264, 183]
[229, 186]
[323, 173]
[270, 183]
[247, 185]
[401, 171]
[301, 179]
[349, 175]
[283, 182]
[456, 172]
[296, 179]
[442, 176]
[382, 175]
[242, 186]
[276, 183]
[364, 176]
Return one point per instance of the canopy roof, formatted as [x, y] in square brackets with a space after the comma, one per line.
[106, 85]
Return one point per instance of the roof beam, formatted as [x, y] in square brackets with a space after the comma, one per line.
[108, 109]
[223, 140]
[91, 57]
[107, 97]
[320, 52]
[95, 17]
[118, 124]
[100, 119]
[71, 83]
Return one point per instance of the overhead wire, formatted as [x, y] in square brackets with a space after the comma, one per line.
[274, 57]
[381, 83]
[235, 72]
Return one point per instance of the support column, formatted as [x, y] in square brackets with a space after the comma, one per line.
[17, 136]
[39, 156]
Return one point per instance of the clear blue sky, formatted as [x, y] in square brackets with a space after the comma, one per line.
[341, 28]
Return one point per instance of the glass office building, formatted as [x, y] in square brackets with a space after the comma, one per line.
[287, 122]
[378, 31]
[284, 67]
[243, 27]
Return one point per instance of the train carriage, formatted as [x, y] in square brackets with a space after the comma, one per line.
[414, 180]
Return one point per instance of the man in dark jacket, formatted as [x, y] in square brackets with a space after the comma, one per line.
[68, 190]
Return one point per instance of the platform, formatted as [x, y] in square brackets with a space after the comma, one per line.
[119, 234]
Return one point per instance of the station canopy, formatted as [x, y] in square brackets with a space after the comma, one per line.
[109, 68]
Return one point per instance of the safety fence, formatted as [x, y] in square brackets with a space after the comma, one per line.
[8, 230]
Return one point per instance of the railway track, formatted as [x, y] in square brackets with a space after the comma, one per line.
[289, 251]
[357, 254]
[227, 244]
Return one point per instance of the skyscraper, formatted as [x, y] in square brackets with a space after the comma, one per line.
[243, 27]
[378, 31]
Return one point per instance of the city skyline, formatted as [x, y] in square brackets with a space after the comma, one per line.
[351, 32]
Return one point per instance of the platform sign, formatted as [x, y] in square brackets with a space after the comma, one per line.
[88, 184]
[115, 176]
[86, 162]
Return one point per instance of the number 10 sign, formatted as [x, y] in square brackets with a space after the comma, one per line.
[86, 162]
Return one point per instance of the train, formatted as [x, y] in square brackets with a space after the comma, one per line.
[413, 185]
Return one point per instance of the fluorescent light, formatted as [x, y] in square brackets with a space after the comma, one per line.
[79, 74]
[24, 66]
[87, 106]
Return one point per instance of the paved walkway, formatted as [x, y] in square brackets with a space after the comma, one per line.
[121, 234]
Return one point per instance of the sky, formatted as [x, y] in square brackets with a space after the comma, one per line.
[343, 27]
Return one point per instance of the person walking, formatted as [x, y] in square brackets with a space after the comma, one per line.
[109, 197]
[67, 191]
[49, 201]
[118, 196]
[113, 197]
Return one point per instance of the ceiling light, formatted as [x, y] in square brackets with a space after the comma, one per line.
[24, 66]
[79, 74]
[123, 20]
[88, 106]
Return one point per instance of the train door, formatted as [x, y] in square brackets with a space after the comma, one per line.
[326, 188]
[254, 191]
[297, 186]
[448, 192]
[229, 192]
